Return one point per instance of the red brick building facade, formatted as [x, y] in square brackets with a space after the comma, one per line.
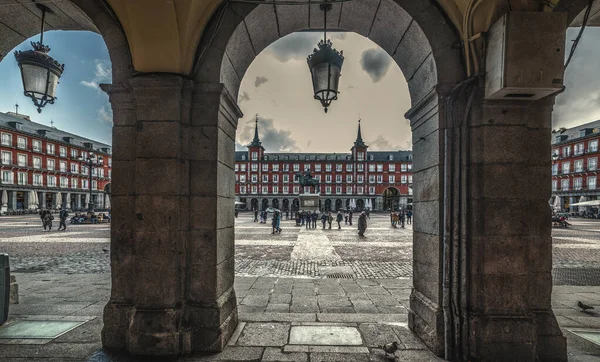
[41, 162]
[381, 178]
[575, 156]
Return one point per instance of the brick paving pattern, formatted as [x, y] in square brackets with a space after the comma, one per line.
[385, 252]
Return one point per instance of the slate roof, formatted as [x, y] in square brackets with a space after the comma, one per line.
[54, 134]
[574, 133]
[301, 156]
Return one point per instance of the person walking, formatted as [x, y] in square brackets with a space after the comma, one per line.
[324, 219]
[63, 219]
[48, 220]
[409, 217]
[339, 219]
[315, 216]
[255, 215]
[362, 223]
[394, 219]
[402, 218]
[350, 217]
[346, 218]
[329, 219]
[236, 212]
[307, 220]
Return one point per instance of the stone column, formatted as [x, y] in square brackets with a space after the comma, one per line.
[43, 200]
[12, 200]
[507, 258]
[172, 218]
[212, 313]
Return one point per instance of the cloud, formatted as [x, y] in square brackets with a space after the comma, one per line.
[294, 46]
[339, 35]
[273, 139]
[105, 114]
[382, 144]
[376, 63]
[244, 97]
[102, 74]
[260, 80]
[580, 103]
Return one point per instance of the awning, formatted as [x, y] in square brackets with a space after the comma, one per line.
[587, 203]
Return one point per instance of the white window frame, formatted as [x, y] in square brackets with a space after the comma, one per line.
[38, 179]
[50, 148]
[22, 175]
[24, 145]
[19, 157]
[51, 180]
[7, 139]
[8, 177]
[36, 146]
[265, 167]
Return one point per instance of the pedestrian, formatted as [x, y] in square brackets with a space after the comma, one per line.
[329, 219]
[394, 219]
[402, 218]
[255, 215]
[315, 216]
[302, 217]
[362, 223]
[346, 218]
[275, 223]
[350, 217]
[307, 219]
[236, 212]
[368, 212]
[324, 219]
[63, 218]
[42, 214]
[287, 214]
[409, 217]
[48, 220]
[339, 219]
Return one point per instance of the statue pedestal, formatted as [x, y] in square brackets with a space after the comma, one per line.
[309, 202]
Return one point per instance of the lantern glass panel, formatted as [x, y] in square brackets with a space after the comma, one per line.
[34, 79]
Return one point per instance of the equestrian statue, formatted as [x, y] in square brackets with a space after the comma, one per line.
[306, 180]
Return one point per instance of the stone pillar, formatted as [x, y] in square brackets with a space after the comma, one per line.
[426, 316]
[43, 200]
[172, 218]
[12, 200]
[507, 259]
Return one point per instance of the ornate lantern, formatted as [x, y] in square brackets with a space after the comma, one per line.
[325, 66]
[39, 71]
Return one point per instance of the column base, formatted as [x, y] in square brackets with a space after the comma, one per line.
[170, 332]
[425, 319]
[518, 338]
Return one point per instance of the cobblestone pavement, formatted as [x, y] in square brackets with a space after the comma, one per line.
[385, 252]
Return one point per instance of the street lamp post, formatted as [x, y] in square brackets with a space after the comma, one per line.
[91, 161]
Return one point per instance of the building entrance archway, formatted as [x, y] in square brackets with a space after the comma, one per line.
[391, 199]
[275, 203]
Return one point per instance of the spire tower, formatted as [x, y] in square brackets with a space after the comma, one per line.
[359, 141]
[256, 141]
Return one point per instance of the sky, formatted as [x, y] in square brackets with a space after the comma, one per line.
[277, 88]
[80, 106]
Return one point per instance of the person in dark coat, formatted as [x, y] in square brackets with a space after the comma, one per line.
[314, 218]
[255, 215]
[323, 219]
[409, 217]
[63, 219]
[339, 219]
[350, 217]
[362, 224]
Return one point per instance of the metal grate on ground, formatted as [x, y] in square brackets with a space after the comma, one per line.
[576, 276]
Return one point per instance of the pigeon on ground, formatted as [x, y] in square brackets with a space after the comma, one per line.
[390, 348]
[584, 307]
[105, 250]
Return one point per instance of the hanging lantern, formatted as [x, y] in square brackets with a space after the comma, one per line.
[325, 64]
[39, 71]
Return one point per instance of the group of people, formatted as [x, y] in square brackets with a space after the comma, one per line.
[47, 218]
[80, 217]
[400, 217]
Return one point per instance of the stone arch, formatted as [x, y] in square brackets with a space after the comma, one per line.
[73, 15]
[423, 44]
[417, 36]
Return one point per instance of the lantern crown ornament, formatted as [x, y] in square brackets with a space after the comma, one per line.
[325, 65]
[39, 71]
